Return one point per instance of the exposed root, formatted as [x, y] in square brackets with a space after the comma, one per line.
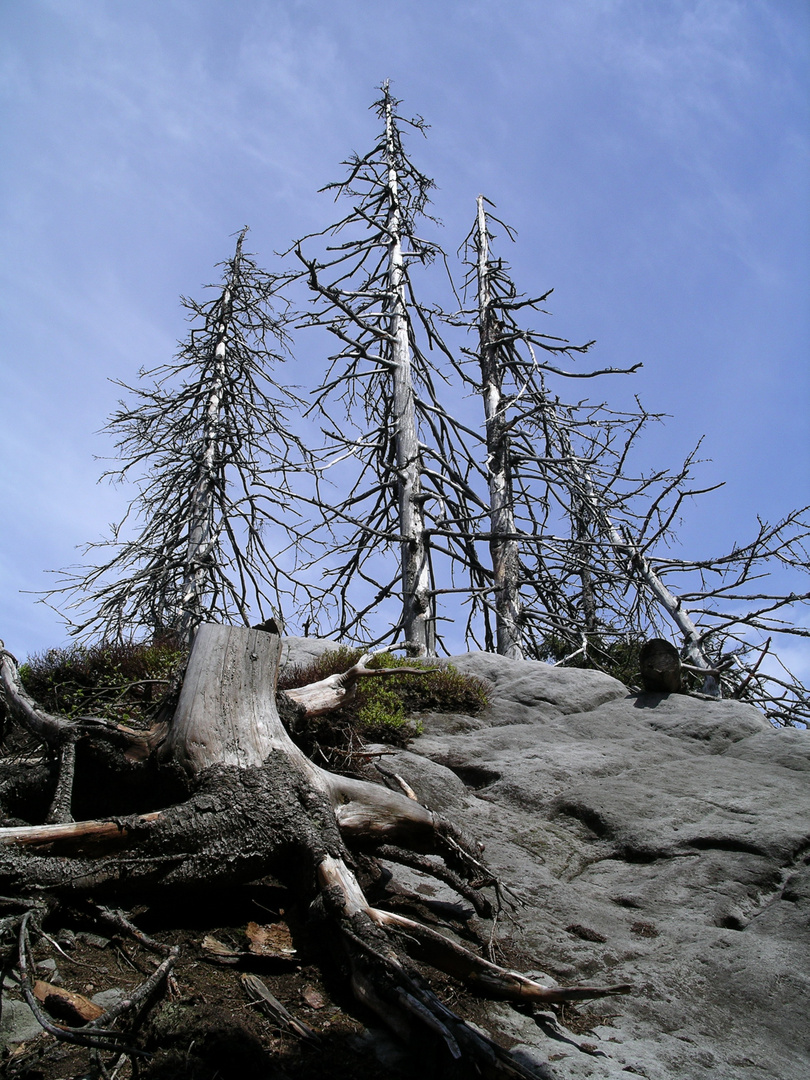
[478, 901]
[119, 920]
[96, 1034]
[72, 837]
[400, 998]
[427, 945]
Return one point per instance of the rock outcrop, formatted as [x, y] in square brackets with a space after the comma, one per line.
[656, 839]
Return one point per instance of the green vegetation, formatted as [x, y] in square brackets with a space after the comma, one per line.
[128, 682]
[618, 658]
[385, 709]
[123, 681]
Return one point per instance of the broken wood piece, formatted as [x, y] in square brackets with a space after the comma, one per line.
[269, 942]
[56, 838]
[65, 1005]
[224, 953]
[338, 690]
[388, 774]
[273, 940]
[272, 1007]
[313, 997]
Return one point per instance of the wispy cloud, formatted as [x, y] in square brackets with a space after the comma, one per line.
[652, 156]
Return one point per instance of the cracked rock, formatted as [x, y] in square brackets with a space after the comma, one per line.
[615, 812]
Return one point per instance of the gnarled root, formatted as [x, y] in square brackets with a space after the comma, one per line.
[401, 999]
[260, 806]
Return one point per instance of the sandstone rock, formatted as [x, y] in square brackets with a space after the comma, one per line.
[659, 840]
[300, 651]
[517, 688]
[656, 839]
[787, 748]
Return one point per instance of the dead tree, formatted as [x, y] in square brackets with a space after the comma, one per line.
[626, 521]
[255, 806]
[503, 544]
[395, 432]
[577, 536]
[529, 493]
[209, 447]
[744, 610]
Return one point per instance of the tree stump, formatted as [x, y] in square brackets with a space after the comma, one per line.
[259, 806]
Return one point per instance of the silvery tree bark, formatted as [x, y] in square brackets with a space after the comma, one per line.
[201, 528]
[418, 623]
[631, 563]
[624, 538]
[384, 423]
[503, 545]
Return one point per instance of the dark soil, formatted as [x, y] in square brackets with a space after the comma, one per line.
[203, 1026]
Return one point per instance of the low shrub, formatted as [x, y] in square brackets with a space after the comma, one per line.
[385, 709]
[127, 682]
[618, 658]
[124, 681]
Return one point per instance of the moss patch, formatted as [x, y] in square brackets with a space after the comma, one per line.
[385, 709]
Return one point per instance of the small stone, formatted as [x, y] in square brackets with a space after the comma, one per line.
[109, 998]
[48, 968]
[94, 939]
[18, 1024]
[313, 997]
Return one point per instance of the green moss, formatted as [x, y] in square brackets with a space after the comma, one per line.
[382, 710]
[385, 709]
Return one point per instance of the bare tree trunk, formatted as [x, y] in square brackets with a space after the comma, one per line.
[502, 545]
[418, 621]
[227, 715]
[201, 524]
[589, 609]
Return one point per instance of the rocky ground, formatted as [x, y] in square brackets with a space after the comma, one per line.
[660, 841]
[657, 839]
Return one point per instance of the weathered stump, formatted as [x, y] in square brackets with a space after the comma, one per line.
[258, 806]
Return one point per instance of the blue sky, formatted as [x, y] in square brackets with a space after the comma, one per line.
[653, 157]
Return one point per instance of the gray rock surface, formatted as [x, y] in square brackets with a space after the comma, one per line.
[658, 840]
[18, 1024]
[300, 651]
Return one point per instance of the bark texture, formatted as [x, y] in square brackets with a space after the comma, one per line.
[502, 545]
[417, 618]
